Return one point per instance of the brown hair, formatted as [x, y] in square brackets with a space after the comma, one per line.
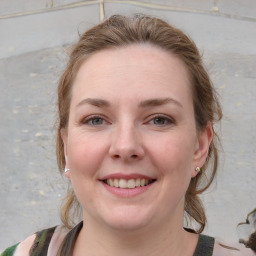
[119, 31]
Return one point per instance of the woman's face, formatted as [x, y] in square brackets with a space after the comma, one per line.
[131, 143]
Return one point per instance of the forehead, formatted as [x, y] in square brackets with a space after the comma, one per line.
[144, 53]
[143, 68]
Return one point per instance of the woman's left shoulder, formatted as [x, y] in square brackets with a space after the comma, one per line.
[234, 250]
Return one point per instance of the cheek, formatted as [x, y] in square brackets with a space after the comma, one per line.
[85, 153]
[174, 154]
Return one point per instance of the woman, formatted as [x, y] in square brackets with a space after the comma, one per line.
[135, 138]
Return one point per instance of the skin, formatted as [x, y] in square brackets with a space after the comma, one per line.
[133, 133]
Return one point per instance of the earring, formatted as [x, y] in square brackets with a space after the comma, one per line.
[66, 170]
[198, 169]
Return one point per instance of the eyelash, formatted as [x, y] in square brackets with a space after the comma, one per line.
[170, 121]
[91, 118]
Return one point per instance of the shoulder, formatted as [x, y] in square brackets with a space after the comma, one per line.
[22, 248]
[44, 242]
[209, 246]
[234, 250]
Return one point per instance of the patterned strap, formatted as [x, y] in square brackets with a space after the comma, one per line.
[9, 251]
[67, 246]
[41, 243]
[205, 246]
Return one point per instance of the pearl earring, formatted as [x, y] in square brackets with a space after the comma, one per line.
[66, 170]
[198, 169]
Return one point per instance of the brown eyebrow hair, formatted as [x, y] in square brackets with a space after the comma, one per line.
[146, 103]
[94, 102]
[158, 102]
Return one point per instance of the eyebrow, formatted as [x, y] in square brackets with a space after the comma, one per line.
[159, 102]
[94, 102]
[146, 103]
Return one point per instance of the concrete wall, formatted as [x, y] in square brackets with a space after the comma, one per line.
[29, 25]
[34, 39]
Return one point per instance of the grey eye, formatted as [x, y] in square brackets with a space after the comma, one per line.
[160, 121]
[96, 121]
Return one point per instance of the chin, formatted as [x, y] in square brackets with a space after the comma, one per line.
[127, 225]
[128, 219]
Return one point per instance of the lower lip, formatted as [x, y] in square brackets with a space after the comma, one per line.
[127, 192]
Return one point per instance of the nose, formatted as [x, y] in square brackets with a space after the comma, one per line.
[126, 144]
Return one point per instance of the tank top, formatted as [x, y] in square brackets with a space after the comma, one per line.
[204, 247]
[43, 239]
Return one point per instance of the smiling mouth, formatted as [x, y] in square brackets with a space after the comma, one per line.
[130, 183]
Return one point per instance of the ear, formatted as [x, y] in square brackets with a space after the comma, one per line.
[64, 137]
[204, 140]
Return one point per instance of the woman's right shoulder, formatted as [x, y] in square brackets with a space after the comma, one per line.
[20, 249]
[45, 242]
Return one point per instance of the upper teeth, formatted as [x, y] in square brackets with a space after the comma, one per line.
[131, 183]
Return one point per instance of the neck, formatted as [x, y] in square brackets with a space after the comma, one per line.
[169, 239]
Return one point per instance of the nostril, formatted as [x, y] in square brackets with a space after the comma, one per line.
[118, 156]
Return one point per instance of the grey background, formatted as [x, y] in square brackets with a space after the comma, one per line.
[34, 40]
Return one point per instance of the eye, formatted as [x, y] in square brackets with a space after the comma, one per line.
[94, 120]
[161, 120]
